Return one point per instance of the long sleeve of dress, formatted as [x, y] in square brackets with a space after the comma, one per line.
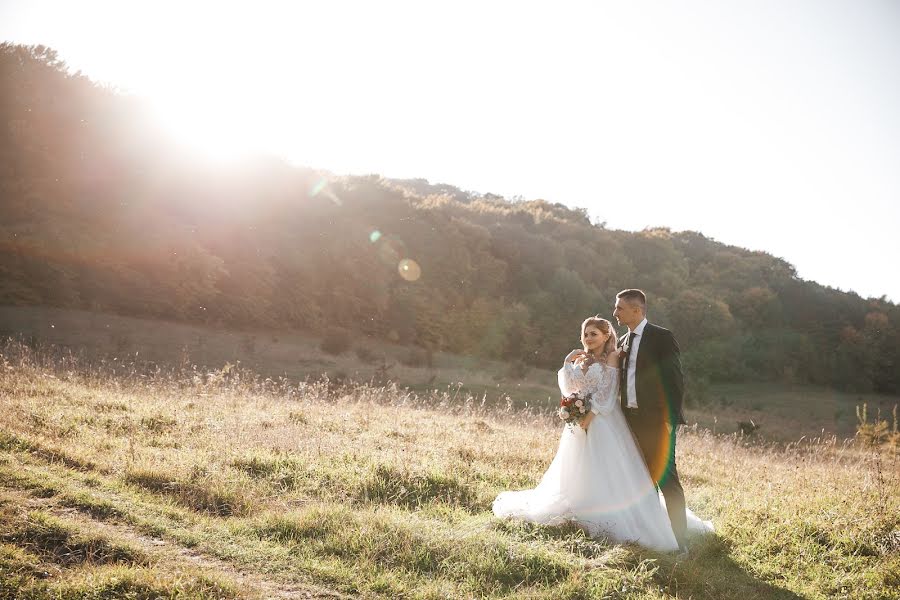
[600, 382]
[566, 378]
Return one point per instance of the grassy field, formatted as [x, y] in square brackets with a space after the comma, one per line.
[785, 412]
[273, 353]
[119, 482]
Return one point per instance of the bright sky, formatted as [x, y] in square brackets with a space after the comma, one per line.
[772, 125]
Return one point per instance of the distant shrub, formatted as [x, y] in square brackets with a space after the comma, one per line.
[879, 431]
[517, 370]
[381, 376]
[418, 357]
[338, 378]
[336, 341]
[121, 342]
[366, 354]
[248, 344]
[747, 427]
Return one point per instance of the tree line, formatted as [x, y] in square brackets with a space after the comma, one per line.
[99, 210]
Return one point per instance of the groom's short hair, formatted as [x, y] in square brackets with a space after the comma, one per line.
[634, 297]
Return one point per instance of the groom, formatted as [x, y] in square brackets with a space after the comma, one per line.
[651, 391]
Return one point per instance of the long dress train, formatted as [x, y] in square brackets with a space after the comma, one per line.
[598, 478]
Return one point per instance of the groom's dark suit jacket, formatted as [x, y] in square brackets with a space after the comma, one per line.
[659, 382]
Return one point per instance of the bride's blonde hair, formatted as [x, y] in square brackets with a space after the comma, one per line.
[604, 326]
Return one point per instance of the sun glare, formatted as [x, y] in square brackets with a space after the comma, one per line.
[215, 97]
[575, 105]
[210, 129]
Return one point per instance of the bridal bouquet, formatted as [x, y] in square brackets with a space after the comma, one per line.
[573, 408]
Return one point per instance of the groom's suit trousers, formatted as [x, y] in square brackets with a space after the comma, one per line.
[658, 447]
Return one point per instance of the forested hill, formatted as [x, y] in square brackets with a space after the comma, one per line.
[99, 210]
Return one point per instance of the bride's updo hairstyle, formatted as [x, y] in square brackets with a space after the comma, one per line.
[604, 326]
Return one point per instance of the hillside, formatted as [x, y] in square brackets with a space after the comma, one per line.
[226, 485]
[99, 211]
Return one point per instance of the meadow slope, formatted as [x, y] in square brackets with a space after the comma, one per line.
[785, 411]
[221, 484]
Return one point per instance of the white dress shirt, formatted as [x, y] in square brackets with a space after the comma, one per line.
[631, 376]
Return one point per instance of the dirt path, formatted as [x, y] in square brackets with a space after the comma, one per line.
[166, 554]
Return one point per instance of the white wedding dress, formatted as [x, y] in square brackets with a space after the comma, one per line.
[598, 478]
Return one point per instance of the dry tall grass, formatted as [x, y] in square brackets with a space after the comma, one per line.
[275, 488]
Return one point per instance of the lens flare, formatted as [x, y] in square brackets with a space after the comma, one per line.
[409, 269]
[321, 187]
[374, 236]
[318, 187]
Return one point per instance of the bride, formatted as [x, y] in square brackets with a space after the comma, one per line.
[598, 477]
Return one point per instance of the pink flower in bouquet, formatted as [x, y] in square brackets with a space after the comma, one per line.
[573, 408]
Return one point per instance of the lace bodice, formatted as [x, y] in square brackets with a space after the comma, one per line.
[601, 382]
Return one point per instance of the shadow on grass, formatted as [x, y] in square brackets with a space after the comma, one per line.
[709, 571]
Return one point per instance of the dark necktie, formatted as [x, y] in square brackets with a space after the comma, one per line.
[623, 387]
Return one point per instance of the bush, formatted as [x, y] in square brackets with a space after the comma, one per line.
[517, 370]
[879, 431]
[248, 344]
[336, 341]
[418, 357]
[366, 354]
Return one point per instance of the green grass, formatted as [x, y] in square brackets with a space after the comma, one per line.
[45, 557]
[202, 495]
[785, 412]
[370, 491]
[42, 534]
[117, 583]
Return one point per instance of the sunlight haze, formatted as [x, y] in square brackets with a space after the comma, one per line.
[769, 125]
